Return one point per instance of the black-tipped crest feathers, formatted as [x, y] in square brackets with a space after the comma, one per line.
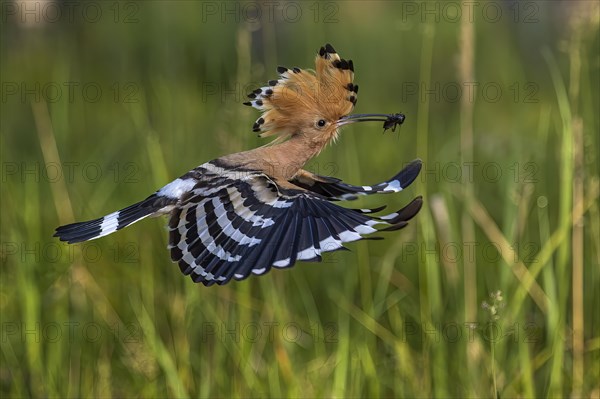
[300, 97]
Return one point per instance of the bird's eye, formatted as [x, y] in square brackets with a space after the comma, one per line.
[321, 122]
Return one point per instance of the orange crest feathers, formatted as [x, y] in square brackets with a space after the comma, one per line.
[301, 97]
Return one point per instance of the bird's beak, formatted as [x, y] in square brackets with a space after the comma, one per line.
[390, 121]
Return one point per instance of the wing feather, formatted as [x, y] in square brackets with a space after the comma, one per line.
[336, 190]
[250, 225]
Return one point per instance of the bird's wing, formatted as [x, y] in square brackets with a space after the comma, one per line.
[335, 190]
[246, 225]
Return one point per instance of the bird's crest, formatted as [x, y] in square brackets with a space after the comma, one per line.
[301, 97]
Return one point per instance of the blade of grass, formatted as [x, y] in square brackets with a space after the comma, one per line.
[47, 141]
[491, 230]
[577, 196]
[565, 209]
[429, 276]
[163, 357]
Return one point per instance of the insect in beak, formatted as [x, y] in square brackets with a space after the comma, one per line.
[393, 121]
[390, 121]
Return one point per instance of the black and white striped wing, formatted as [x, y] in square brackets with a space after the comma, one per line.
[251, 224]
[336, 190]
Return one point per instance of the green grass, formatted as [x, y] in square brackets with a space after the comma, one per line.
[511, 188]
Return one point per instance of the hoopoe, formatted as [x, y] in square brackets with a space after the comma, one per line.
[248, 212]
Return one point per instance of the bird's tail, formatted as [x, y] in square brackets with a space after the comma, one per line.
[92, 229]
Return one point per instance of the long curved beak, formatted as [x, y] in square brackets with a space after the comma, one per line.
[390, 121]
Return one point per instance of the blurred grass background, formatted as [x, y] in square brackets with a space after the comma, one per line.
[104, 102]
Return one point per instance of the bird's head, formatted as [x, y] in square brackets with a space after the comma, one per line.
[312, 104]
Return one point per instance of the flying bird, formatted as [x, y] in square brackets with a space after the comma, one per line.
[248, 212]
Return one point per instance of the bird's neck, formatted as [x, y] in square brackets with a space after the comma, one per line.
[291, 155]
[281, 160]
